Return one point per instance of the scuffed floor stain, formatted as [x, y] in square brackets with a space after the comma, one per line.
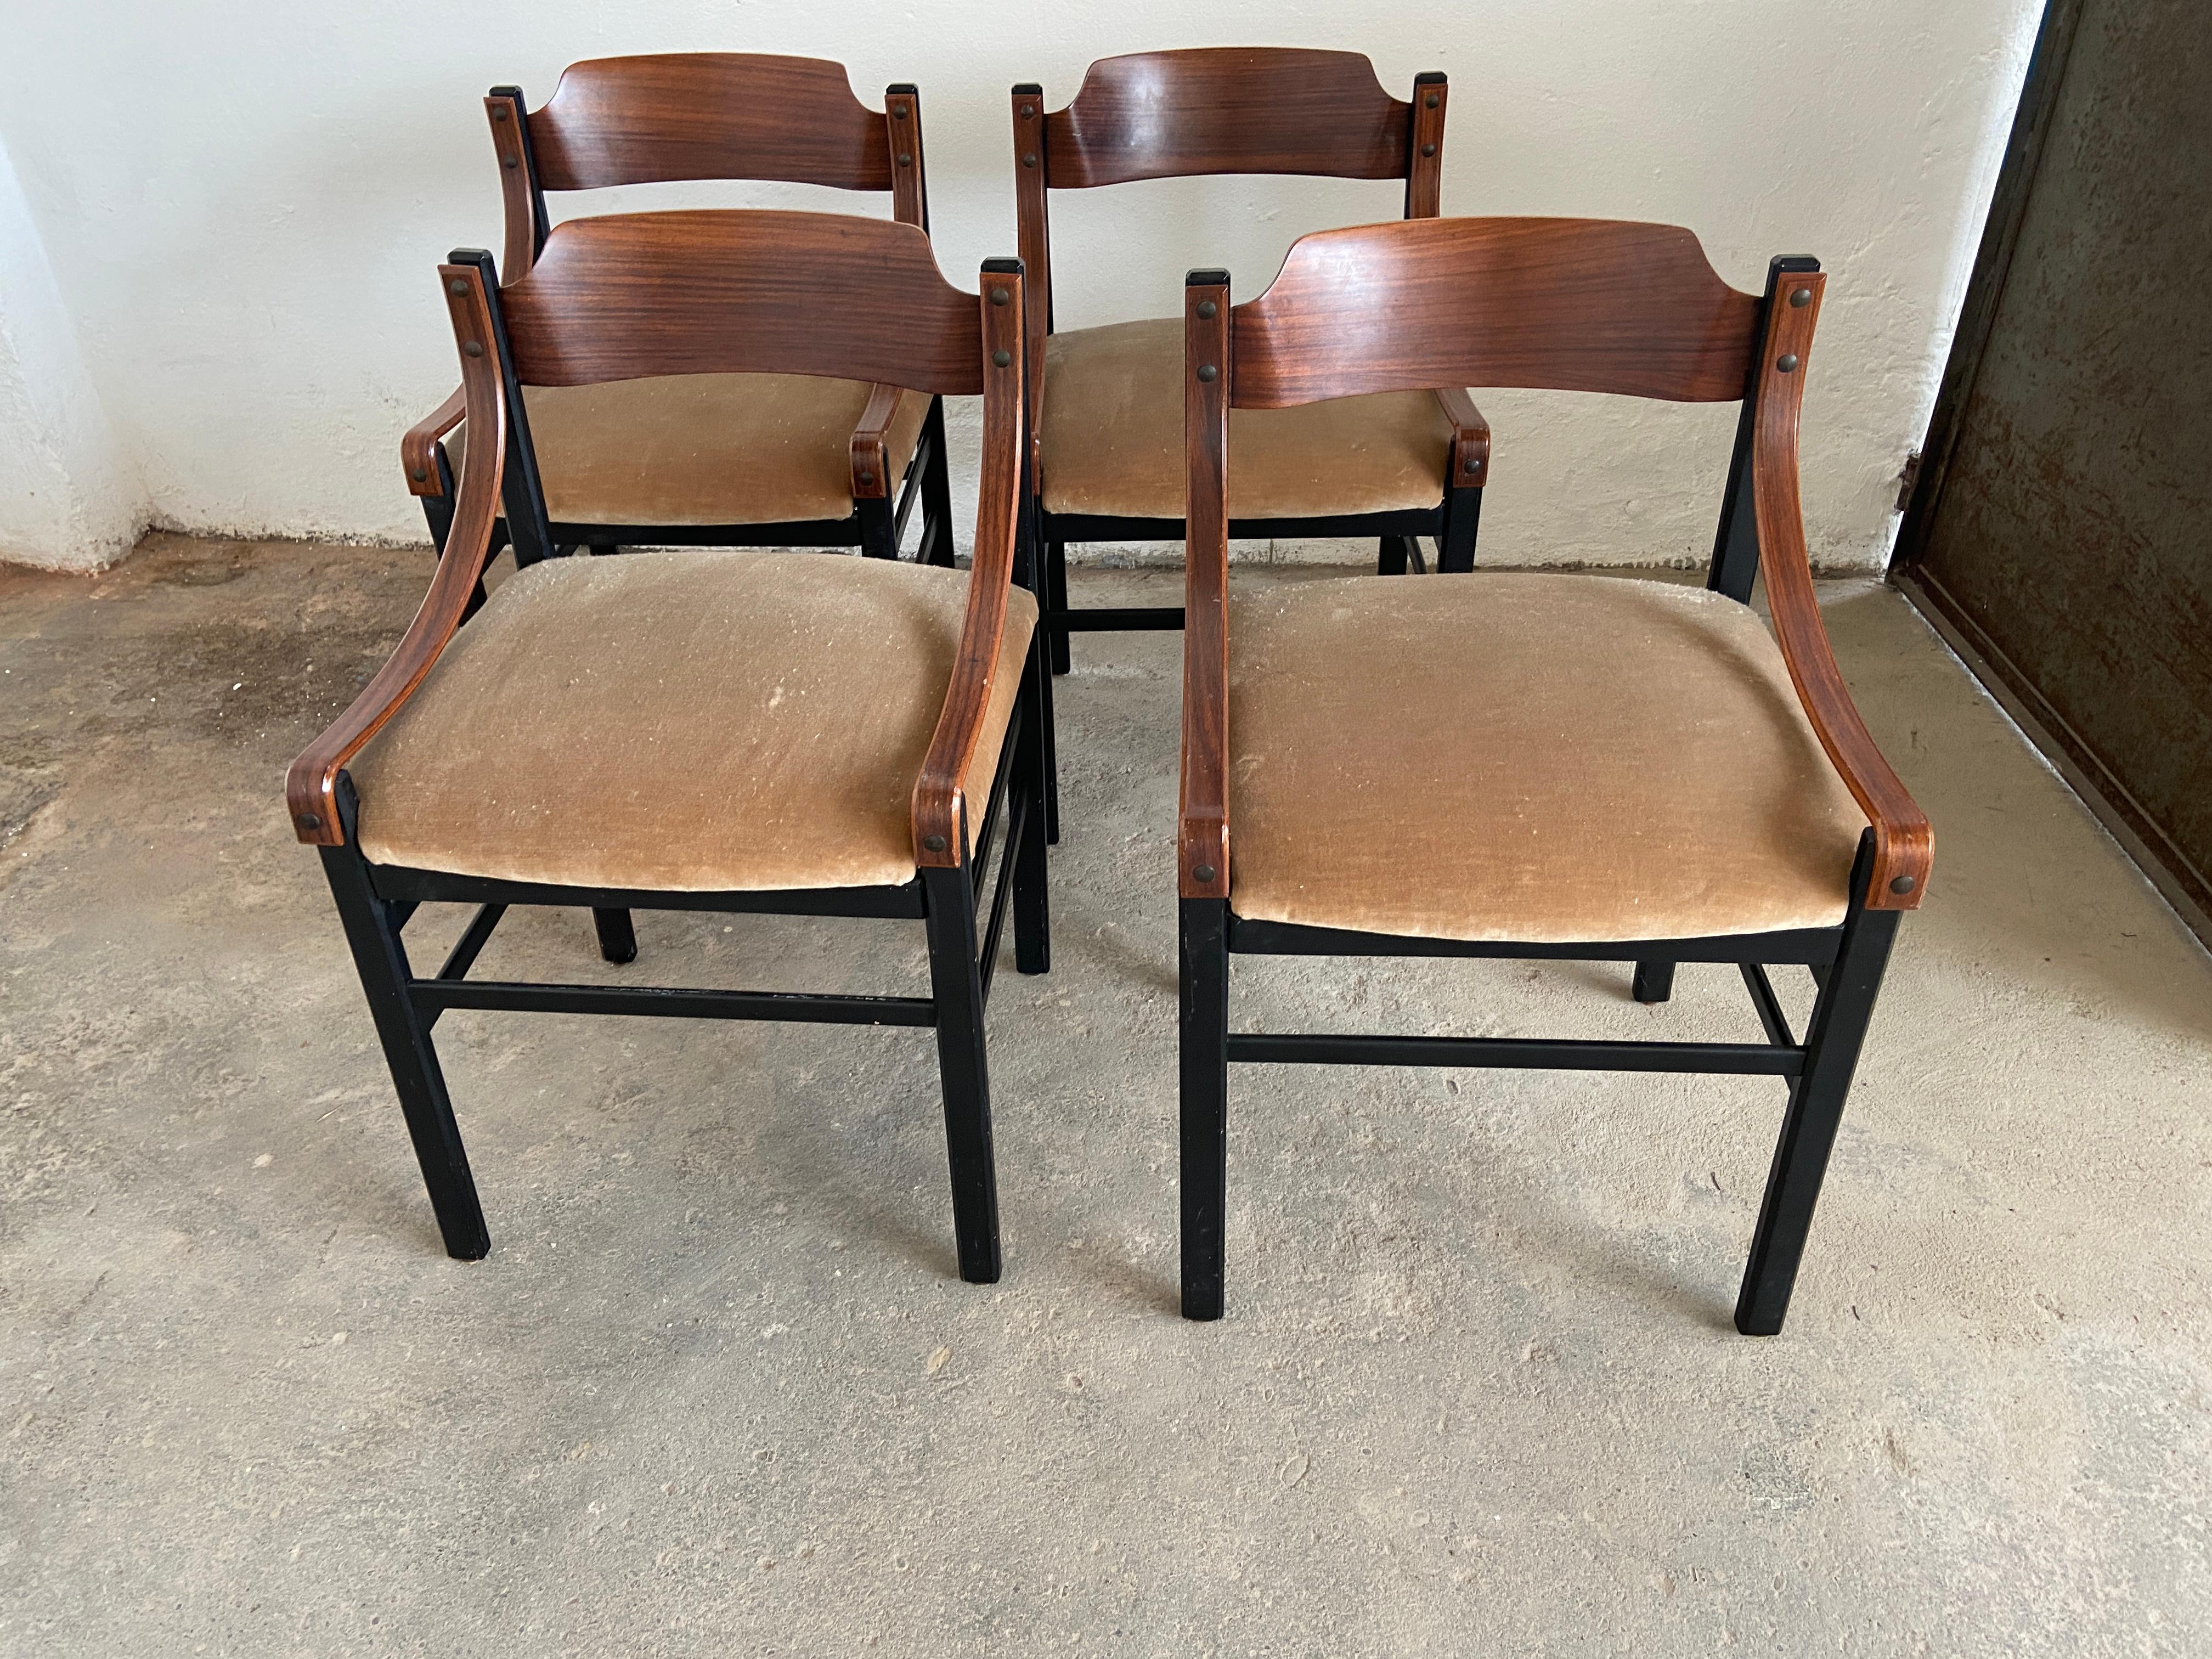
[717, 1389]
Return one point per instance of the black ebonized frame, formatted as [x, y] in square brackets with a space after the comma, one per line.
[1847, 963]
[876, 525]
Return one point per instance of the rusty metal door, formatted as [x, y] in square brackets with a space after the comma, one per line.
[2060, 528]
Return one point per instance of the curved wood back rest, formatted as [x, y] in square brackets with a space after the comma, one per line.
[1227, 109]
[1571, 305]
[629, 296]
[709, 115]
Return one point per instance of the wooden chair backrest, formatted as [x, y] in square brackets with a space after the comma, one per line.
[1580, 305]
[674, 116]
[631, 295]
[1227, 109]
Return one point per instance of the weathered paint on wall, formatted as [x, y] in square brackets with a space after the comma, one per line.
[69, 497]
[243, 206]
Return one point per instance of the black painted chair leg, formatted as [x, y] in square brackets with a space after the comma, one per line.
[438, 513]
[1462, 517]
[1655, 982]
[1056, 599]
[956, 987]
[1049, 739]
[878, 528]
[1832, 1040]
[1391, 560]
[618, 939]
[1204, 928]
[937, 488]
[381, 960]
[1032, 902]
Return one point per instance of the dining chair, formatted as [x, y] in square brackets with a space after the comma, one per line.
[1106, 401]
[1605, 769]
[703, 729]
[691, 458]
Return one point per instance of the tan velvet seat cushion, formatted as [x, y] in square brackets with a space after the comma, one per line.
[1529, 757]
[703, 449]
[1110, 437]
[703, 721]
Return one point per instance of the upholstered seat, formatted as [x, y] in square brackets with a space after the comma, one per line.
[698, 449]
[727, 720]
[1110, 437]
[1525, 758]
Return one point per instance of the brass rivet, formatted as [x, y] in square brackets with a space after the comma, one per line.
[1029, 112]
[906, 160]
[420, 476]
[1028, 161]
[1903, 884]
[934, 843]
[457, 286]
[1002, 358]
[1431, 101]
[510, 163]
[1204, 872]
[308, 821]
[1207, 370]
[999, 296]
[1428, 149]
[1787, 363]
[898, 112]
[474, 348]
[1802, 298]
[1207, 309]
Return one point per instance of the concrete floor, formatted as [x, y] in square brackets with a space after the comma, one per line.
[717, 1391]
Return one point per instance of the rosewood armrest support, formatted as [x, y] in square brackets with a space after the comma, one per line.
[939, 813]
[311, 786]
[1035, 242]
[871, 477]
[1470, 447]
[1202, 838]
[1905, 842]
[418, 449]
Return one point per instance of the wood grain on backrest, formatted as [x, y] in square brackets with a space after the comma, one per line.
[627, 296]
[709, 115]
[1227, 109]
[1573, 305]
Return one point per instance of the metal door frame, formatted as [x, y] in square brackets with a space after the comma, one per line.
[2076, 759]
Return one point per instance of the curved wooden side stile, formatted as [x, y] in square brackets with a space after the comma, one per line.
[1904, 839]
[1202, 837]
[310, 788]
[938, 813]
[1562, 304]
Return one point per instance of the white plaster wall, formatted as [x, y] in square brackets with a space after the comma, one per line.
[70, 495]
[243, 204]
